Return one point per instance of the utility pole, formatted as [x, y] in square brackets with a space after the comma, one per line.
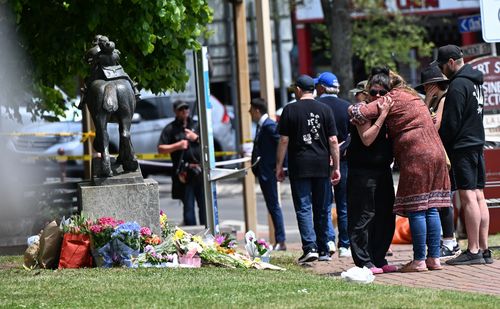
[243, 83]
[264, 40]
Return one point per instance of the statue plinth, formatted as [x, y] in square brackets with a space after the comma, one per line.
[125, 196]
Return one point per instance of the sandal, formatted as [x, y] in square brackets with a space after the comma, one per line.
[410, 268]
[432, 264]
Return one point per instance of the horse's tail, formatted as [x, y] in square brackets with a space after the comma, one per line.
[110, 101]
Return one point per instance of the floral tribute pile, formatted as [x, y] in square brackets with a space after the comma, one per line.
[108, 242]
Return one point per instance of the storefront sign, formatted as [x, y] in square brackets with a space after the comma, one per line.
[490, 67]
[311, 11]
[475, 50]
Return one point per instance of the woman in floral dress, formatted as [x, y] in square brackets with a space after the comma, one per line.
[424, 184]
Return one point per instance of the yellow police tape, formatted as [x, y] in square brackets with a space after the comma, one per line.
[87, 135]
[140, 156]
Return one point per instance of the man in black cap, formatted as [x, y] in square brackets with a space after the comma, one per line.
[179, 138]
[462, 133]
[307, 129]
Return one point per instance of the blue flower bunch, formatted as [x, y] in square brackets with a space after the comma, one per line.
[129, 233]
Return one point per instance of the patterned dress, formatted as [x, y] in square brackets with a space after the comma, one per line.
[424, 181]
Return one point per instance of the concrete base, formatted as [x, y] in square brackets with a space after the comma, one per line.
[134, 201]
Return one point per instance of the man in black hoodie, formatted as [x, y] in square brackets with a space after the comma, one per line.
[462, 133]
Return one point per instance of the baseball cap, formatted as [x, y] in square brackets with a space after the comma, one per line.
[180, 104]
[448, 51]
[304, 82]
[327, 79]
[360, 87]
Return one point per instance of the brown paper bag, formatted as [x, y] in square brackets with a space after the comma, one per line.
[50, 246]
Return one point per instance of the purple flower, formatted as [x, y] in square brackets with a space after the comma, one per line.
[219, 239]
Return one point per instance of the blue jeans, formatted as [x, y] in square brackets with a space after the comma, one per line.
[310, 199]
[194, 190]
[425, 228]
[341, 204]
[269, 188]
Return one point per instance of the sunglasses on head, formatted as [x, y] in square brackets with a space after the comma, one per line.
[381, 92]
[182, 108]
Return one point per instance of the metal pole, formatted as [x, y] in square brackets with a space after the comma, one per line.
[494, 49]
[206, 138]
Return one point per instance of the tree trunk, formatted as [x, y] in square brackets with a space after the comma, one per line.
[338, 21]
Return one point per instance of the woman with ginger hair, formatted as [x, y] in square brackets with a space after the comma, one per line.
[424, 184]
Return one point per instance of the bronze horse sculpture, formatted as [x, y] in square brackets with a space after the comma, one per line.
[110, 97]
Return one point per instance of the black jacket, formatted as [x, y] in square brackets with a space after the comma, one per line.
[462, 123]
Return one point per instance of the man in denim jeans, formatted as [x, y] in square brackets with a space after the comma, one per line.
[307, 130]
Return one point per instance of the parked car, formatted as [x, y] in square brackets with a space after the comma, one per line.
[152, 114]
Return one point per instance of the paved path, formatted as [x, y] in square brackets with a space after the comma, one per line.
[474, 278]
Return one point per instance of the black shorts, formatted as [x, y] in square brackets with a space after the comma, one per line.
[467, 169]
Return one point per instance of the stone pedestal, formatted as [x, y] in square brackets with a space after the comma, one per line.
[125, 196]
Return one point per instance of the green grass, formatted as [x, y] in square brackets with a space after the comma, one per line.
[213, 287]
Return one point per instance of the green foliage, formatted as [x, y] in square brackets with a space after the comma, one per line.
[151, 35]
[380, 39]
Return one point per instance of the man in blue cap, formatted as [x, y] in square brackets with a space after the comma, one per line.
[327, 88]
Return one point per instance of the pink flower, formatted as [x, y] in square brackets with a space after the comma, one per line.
[96, 229]
[145, 231]
[219, 239]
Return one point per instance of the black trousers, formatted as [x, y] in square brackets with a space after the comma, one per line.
[371, 221]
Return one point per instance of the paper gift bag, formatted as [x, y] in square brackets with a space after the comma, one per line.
[75, 251]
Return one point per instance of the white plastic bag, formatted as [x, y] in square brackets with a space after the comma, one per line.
[357, 274]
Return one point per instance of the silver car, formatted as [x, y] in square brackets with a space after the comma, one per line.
[152, 114]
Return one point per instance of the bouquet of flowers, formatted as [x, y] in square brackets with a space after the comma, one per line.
[156, 257]
[189, 248]
[148, 238]
[75, 249]
[100, 232]
[225, 243]
[257, 248]
[126, 242]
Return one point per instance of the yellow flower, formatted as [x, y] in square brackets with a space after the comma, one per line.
[179, 234]
[163, 219]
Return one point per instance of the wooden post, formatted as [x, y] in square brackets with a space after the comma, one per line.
[264, 40]
[243, 82]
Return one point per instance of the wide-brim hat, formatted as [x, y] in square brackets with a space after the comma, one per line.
[430, 75]
[360, 87]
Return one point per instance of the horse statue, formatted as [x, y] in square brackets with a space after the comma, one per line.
[110, 95]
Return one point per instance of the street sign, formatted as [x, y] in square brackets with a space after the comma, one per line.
[490, 67]
[490, 20]
[476, 49]
[469, 23]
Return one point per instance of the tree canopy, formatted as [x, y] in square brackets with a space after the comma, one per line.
[151, 35]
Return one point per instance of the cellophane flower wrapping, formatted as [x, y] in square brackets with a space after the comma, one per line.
[75, 249]
[126, 242]
[162, 255]
[257, 248]
[101, 241]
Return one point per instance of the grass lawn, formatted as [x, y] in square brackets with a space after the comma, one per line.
[212, 287]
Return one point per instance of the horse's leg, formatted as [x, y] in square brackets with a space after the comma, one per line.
[105, 158]
[129, 162]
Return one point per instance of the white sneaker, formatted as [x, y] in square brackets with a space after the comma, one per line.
[345, 252]
[331, 247]
[324, 258]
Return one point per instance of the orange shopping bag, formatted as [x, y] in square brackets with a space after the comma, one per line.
[75, 251]
[402, 233]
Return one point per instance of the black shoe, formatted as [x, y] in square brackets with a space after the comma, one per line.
[446, 253]
[467, 258]
[309, 256]
[487, 256]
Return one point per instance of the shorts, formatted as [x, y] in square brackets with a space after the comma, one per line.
[467, 169]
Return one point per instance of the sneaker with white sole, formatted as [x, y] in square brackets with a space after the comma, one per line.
[446, 253]
[309, 256]
[331, 247]
[344, 252]
[324, 257]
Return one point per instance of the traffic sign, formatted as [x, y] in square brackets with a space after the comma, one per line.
[476, 49]
[490, 20]
[469, 23]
